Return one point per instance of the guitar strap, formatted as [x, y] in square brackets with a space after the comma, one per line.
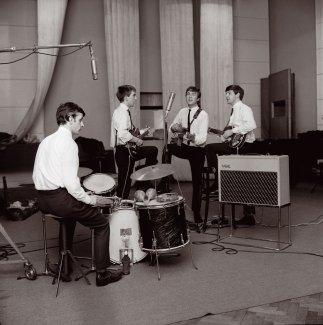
[190, 122]
[194, 117]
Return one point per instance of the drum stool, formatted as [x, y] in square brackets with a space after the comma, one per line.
[210, 173]
[63, 254]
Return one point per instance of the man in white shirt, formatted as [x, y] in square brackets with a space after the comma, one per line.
[60, 192]
[241, 122]
[127, 143]
[189, 133]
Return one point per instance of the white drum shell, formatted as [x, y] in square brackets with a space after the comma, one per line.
[125, 219]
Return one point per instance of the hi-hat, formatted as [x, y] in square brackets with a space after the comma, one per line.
[153, 172]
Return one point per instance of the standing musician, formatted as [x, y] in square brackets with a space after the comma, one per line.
[241, 122]
[189, 133]
[60, 192]
[127, 140]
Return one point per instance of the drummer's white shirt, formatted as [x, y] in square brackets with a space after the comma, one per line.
[56, 165]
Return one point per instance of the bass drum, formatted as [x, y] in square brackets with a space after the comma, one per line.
[125, 234]
[163, 225]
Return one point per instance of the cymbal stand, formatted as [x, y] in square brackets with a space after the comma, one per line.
[165, 156]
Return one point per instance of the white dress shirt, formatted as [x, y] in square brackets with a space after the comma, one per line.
[120, 122]
[199, 126]
[56, 165]
[242, 121]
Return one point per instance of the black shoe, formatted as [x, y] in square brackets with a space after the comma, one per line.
[53, 268]
[195, 226]
[106, 277]
[221, 222]
[247, 220]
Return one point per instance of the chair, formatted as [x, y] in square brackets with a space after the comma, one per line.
[64, 252]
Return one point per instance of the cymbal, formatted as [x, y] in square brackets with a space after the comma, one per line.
[153, 172]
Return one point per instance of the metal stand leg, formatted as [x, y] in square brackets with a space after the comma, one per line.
[46, 271]
[30, 272]
[92, 267]
[194, 265]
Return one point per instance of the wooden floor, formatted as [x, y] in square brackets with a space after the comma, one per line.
[303, 310]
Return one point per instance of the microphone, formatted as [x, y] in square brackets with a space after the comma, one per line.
[170, 102]
[93, 64]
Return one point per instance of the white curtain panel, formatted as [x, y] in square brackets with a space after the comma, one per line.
[177, 51]
[121, 19]
[51, 14]
[216, 55]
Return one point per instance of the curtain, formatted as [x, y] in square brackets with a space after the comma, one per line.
[216, 53]
[177, 51]
[51, 14]
[121, 18]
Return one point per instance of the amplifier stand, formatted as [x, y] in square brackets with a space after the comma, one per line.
[281, 245]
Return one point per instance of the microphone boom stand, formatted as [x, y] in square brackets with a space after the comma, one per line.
[165, 155]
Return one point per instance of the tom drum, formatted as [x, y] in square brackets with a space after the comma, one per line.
[101, 184]
[163, 225]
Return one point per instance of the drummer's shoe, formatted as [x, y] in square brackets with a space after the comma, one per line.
[114, 268]
[106, 277]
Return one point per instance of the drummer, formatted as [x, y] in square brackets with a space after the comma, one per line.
[60, 192]
[128, 143]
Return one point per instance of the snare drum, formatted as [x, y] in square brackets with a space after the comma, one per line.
[101, 184]
[163, 225]
[124, 233]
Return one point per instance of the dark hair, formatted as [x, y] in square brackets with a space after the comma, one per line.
[64, 111]
[194, 89]
[123, 91]
[236, 89]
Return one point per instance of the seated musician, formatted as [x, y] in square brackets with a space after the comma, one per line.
[126, 140]
[189, 133]
[60, 192]
[241, 122]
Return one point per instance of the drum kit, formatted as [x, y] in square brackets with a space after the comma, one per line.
[157, 227]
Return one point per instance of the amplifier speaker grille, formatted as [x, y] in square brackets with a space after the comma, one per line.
[248, 187]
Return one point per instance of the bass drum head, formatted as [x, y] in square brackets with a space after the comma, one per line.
[125, 234]
[99, 183]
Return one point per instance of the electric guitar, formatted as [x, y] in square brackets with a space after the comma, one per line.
[132, 147]
[177, 137]
[235, 141]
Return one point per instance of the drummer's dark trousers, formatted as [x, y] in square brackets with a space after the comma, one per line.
[196, 158]
[60, 203]
[125, 166]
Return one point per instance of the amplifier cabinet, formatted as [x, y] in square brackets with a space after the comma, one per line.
[254, 179]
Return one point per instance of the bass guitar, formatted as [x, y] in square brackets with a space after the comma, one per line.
[235, 141]
[132, 147]
[177, 137]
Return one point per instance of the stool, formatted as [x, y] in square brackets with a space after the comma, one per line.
[64, 253]
[207, 195]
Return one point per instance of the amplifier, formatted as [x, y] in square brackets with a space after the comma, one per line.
[254, 179]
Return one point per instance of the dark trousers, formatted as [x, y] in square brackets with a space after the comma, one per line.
[126, 163]
[60, 203]
[212, 151]
[196, 158]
